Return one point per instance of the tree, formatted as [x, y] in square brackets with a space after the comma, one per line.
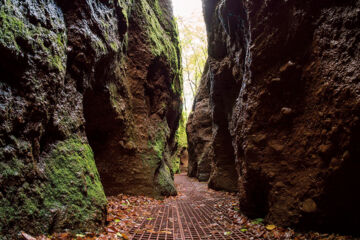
[194, 52]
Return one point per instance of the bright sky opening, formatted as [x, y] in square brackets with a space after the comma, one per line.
[191, 25]
[185, 8]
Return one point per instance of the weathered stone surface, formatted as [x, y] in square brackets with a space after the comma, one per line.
[133, 134]
[84, 80]
[48, 178]
[179, 158]
[209, 137]
[199, 133]
[285, 93]
[222, 96]
[184, 160]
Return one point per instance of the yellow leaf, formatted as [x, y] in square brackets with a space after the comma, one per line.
[270, 227]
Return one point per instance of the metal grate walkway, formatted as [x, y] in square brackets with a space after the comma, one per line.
[195, 214]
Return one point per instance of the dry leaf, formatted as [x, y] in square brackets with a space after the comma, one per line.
[27, 236]
[270, 227]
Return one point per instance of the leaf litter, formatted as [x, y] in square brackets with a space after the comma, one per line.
[126, 213]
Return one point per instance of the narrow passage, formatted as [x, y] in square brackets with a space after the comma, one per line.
[196, 213]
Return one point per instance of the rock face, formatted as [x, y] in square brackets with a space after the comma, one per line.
[184, 161]
[199, 133]
[84, 82]
[285, 93]
[211, 155]
[133, 134]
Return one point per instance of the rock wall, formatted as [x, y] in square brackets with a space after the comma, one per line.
[285, 101]
[199, 132]
[84, 82]
[133, 134]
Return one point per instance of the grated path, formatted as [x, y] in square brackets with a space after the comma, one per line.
[194, 214]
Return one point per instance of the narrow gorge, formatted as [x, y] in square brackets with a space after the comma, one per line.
[92, 107]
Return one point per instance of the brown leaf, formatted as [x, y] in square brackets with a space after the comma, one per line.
[27, 236]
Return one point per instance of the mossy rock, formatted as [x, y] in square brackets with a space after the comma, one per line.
[70, 197]
[75, 183]
[165, 182]
[162, 41]
[21, 37]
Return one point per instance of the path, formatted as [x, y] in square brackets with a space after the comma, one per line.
[196, 213]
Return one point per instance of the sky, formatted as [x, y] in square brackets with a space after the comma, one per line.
[187, 9]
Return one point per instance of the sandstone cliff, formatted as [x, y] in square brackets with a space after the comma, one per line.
[84, 83]
[285, 101]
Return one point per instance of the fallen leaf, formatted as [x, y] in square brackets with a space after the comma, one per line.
[270, 227]
[27, 236]
[63, 236]
[257, 221]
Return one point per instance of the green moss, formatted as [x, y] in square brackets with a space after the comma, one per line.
[69, 196]
[158, 143]
[57, 62]
[99, 46]
[7, 213]
[61, 39]
[125, 13]
[163, 43]
[181, 139]
[74, 183]
[165, 183]
[114, 46]
[11, 27]
[181, 131]
[158, 147]
[13, 168]
[163, 40]
[175, 164]
[56, 55]
[30, 206]
[14, 27]
[125, 6]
